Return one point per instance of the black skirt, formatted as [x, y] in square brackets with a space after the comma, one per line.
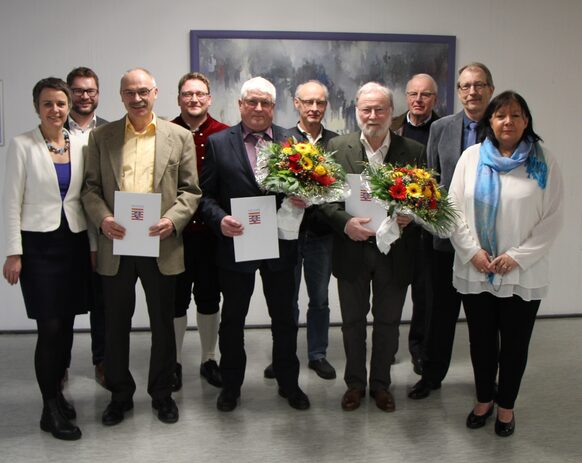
[55, 274]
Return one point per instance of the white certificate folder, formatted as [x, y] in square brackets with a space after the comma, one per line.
[361, 204]
[258, 215]
[137, 212]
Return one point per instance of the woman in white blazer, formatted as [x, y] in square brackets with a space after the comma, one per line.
[47, 245]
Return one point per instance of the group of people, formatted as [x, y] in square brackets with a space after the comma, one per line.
[59, 192]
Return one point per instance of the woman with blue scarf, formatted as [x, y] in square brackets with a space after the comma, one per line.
[509, 193]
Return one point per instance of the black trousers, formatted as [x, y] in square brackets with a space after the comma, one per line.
[119, 297]
[421, 292]
[446, 305]
[237, 289]
[500, 329]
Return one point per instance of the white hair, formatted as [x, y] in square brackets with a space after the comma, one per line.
[427, 77]
[259, 84]
[370, 87]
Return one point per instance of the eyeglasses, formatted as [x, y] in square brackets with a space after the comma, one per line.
[377, 111]
[142, 92]
[478, 86]
[318, 103]
[199, 95]
[91, 92]
[423, 95]
[253, 103]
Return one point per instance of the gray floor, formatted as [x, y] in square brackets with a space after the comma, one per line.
[263, 428]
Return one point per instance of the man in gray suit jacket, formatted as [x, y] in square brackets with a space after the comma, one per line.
[143, 154]
[448, 138]
[357, 262]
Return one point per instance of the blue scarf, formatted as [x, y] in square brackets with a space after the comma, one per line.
[488, 188]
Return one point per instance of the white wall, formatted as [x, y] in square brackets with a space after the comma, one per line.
[531, 47]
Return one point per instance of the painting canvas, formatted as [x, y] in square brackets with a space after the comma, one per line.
[342, 62]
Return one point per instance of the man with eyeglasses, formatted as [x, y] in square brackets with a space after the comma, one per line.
[449, 137]
[84, 85]
[421, 97]
[357, 263]
[229, 173]
[315, 236]
[201, 275]
[140, 153]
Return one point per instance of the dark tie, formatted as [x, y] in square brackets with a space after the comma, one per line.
[472, 136]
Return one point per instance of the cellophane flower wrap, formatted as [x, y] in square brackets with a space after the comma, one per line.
[298, 169]
[414, 192]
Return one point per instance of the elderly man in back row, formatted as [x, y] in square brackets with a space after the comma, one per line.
[229, 173]
[357, 262]
[315, 236]
[421, 97]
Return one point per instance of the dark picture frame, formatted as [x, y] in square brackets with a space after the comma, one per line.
[342, 61]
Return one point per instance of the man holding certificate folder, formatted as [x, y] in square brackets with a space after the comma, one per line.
[229, 174]
[141, 154]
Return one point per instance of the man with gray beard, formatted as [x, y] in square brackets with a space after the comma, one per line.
[358, 265]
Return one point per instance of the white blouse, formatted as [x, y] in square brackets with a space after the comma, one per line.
[528, 221]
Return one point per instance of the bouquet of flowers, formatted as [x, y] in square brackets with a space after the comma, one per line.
[298, 169]
[410, 191]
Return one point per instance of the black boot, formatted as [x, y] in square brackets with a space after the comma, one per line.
[67, 410]
[53, 421]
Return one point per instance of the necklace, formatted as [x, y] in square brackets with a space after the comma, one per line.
[54, 149]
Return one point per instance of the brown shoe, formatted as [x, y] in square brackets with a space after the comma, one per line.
[352, 399]
[384, 400]
[100, 374]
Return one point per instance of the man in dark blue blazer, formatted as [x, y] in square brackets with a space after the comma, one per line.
[448, 138]
[229, 173]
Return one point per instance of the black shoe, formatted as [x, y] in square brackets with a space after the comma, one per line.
[417, 365]
[167, 410]
[211, 372]
[297, 399]
[269, 373]
[504, 429]
[177, 380]
[53, 421]
[478, 421]
[323, 368]
[114, 413]
[67, 410]
[422, 389]
[227, 400]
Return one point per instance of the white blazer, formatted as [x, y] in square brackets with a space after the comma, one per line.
[32, 199]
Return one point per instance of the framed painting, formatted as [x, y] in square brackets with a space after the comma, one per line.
[1, 113]
[342, 61]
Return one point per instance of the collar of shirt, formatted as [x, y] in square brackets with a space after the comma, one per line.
[246, 131]
[130, 129]
[76, 128]
[378, 155]
[426, 121]
[307, 135]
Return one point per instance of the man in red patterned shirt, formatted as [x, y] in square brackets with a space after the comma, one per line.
[200, 277]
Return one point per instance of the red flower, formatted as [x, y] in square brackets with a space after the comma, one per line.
[324, 180]
[294, 157]
[295, 167]
[398, 190]
[432, 203]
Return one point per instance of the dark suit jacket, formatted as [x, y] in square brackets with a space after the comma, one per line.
[227, 174]
[445, 144]
[313, 221]
[348, 254]
[175, 177]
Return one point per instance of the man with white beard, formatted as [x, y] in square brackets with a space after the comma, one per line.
[358, 265]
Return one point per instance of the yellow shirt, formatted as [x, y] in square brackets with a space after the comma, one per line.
[139, 153]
